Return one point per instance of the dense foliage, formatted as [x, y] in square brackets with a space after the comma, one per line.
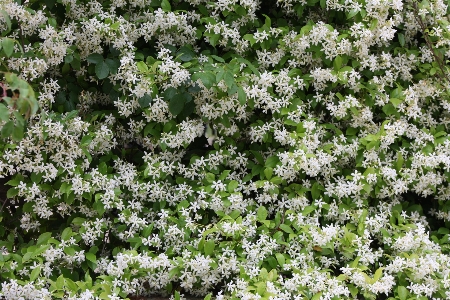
[233, 149]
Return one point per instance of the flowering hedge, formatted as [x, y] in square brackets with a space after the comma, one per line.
[289, 149]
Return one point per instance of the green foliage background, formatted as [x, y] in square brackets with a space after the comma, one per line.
[231, 150]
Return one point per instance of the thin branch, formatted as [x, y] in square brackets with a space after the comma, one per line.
[438, 59]
[4, 203]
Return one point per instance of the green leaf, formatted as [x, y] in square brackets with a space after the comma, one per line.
[176, 104]
[351, 131]
[268, 172]
[36, 177]
[389, 109]
[272, 161]
[145, 101]
[142, 66]
[234, 214]
[86, 140]
[213, 39]
[286, 228]
[76, 62]
[280, 258]
[165, 5]
[4, 112]
[7, 129]
[115, 26]
[232, 186]
[209, 247]
[242, 97]
[113, 65]
[35, 273]
[208, 297]
[395, 101]
[229, 78]
[315, 191]
[208, 78]
[337, 63]
[7, 20]
[68, 59]
[267, 22]
[17, 133]
[43, 238]
[94, 58]
[400, 161]
[218, 58]
[60, 282]
[307, 210]
[353, 290]
[186, 54]
[373, 24]
[240, 10]
[402, 292]
[12, 192]
[249, 64]
[261, 288]
[378, 274]
[219, 75]
[177, 295]
[261, 213]
[401, 39]
[99, 207]
[66, 234]
[352, 13]
[91, 257]
[101, 70]
[249, 37]
[169, 93]
[8, 46]
[78, 221]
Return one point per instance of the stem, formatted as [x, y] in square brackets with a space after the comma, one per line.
[4, 203]
[438, 59]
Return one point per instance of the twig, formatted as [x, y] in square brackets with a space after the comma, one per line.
[429, 44]
[4, 202]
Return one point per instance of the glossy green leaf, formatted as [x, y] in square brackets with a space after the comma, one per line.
[7, 20]
[17, 133]
[101, 70]
[208, 78]
[91, 257]
[229, 78]
[401, 39]
[232, 186]
[402, 292]
[208, 297]
[176, 104]
[286, 228]
[186, 54]
[8, 46]
[142, 66]
[113, 65]
[4, 112]
[7, 129]
[94, 58]
[35, 273]
[145, 101]
[209, 247]
[165, 5]
[315, 191]
[261, 213]
[280, 259]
